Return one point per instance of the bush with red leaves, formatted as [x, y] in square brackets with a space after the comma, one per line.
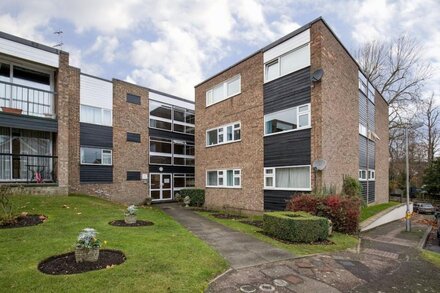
[343, 211]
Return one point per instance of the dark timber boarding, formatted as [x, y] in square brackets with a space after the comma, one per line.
[96, 135]
[28, 122]
[288, 91]
[171, 169]
[291, 148]
[95, 174]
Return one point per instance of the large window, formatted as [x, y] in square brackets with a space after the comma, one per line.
[171, 118]
[224, 134]
[171, 152]
[288, 63]
[295, 118]
[287, 178]
[96, 156]
[223, 91]
[183, 181]
[95, 115]
[227, 178]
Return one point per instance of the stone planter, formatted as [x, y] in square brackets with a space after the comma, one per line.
[130, 219]
[86, 254]
[12, 110]
[330, 228]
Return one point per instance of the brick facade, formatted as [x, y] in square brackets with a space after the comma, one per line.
[247, 154]
[335, 108]
[382, 152]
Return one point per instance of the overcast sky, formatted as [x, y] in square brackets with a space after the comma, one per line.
[173, 45]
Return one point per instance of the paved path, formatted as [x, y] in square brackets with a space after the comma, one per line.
[239, 249]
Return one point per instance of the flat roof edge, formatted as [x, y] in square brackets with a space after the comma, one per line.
[30, 43]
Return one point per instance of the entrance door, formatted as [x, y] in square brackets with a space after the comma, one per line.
[160, 186]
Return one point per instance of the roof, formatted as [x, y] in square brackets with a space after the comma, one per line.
[286, 37]
[16, 39]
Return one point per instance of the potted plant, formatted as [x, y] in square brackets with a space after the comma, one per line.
[12, 110]
[87, 246]
[130, 215]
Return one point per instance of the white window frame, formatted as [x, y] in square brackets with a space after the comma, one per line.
[273, 175]
[367, 175]
[362, 175]
[102, 152]
[371, 175]
[278, 61]
[308, 112]
[224, 130]
[102, 115]
[171, 155]
[185, 176]
[224, 84]
[236, 173]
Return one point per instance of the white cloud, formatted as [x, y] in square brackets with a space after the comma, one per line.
[106, 46]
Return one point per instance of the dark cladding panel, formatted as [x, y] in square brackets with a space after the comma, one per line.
[287, 91]
[133, 175]
[95, 174]
[28, 122]
[96, 135]
[133, 99]
[134, 137]
[287, 149]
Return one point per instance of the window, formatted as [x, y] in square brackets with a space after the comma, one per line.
[95, 115]
[287, 120]
[134, 99]
[183, 181]
[363, 174]
[171, 152]
[288, 63]
[287, 178]
[224, 134]
[223, 91]
[167, 117]
[96, 156]
[228, 178]
[133, 176]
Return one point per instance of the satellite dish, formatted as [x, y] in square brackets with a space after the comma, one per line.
[317, 75]
[319, 165]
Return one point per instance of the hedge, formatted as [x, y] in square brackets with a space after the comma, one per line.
[197, 196]
[343, 211]
[295, 226]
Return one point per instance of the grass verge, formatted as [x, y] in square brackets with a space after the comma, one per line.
[432, 257]
[367, 212]
[160, 258]
[342, 241]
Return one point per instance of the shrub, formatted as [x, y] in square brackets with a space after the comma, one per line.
[6, 209]
[197, 196]
[295, 226]
[87, 239]
[343, 211]
[351, 186]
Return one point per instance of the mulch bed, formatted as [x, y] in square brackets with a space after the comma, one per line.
[257, 223]
[228, 216]
[139, 223]
[65, 264]
[323, 242]
[24, 221]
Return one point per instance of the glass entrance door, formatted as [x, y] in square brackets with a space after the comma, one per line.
[160, 187]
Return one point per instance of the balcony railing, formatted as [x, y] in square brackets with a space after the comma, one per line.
[28, 168]
[20, 99]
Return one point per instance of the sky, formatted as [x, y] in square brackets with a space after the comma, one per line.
[173, 45]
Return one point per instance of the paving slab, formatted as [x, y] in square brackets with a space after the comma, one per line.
[239, 249]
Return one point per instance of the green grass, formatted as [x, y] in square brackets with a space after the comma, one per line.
[432, 257]
[160, 258]
[342, 241]
[367, 212]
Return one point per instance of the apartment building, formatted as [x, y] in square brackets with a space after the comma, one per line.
[296, 115]
[63, 131]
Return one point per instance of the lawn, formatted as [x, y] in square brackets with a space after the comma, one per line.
[432, 257]
[367, 212]
[342, 241]
[160, 258]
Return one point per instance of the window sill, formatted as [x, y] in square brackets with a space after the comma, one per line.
[287, 131]
[223, 143]
[223, 187]
[287, 189]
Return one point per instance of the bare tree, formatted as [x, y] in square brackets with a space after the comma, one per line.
[430, 116]
[398, 72]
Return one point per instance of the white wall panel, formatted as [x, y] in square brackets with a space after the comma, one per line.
[169, 100]
[28, 53]
[96, 92]
[288, 45]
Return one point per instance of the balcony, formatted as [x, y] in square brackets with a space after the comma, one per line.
[27, 168]
[24, 100]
